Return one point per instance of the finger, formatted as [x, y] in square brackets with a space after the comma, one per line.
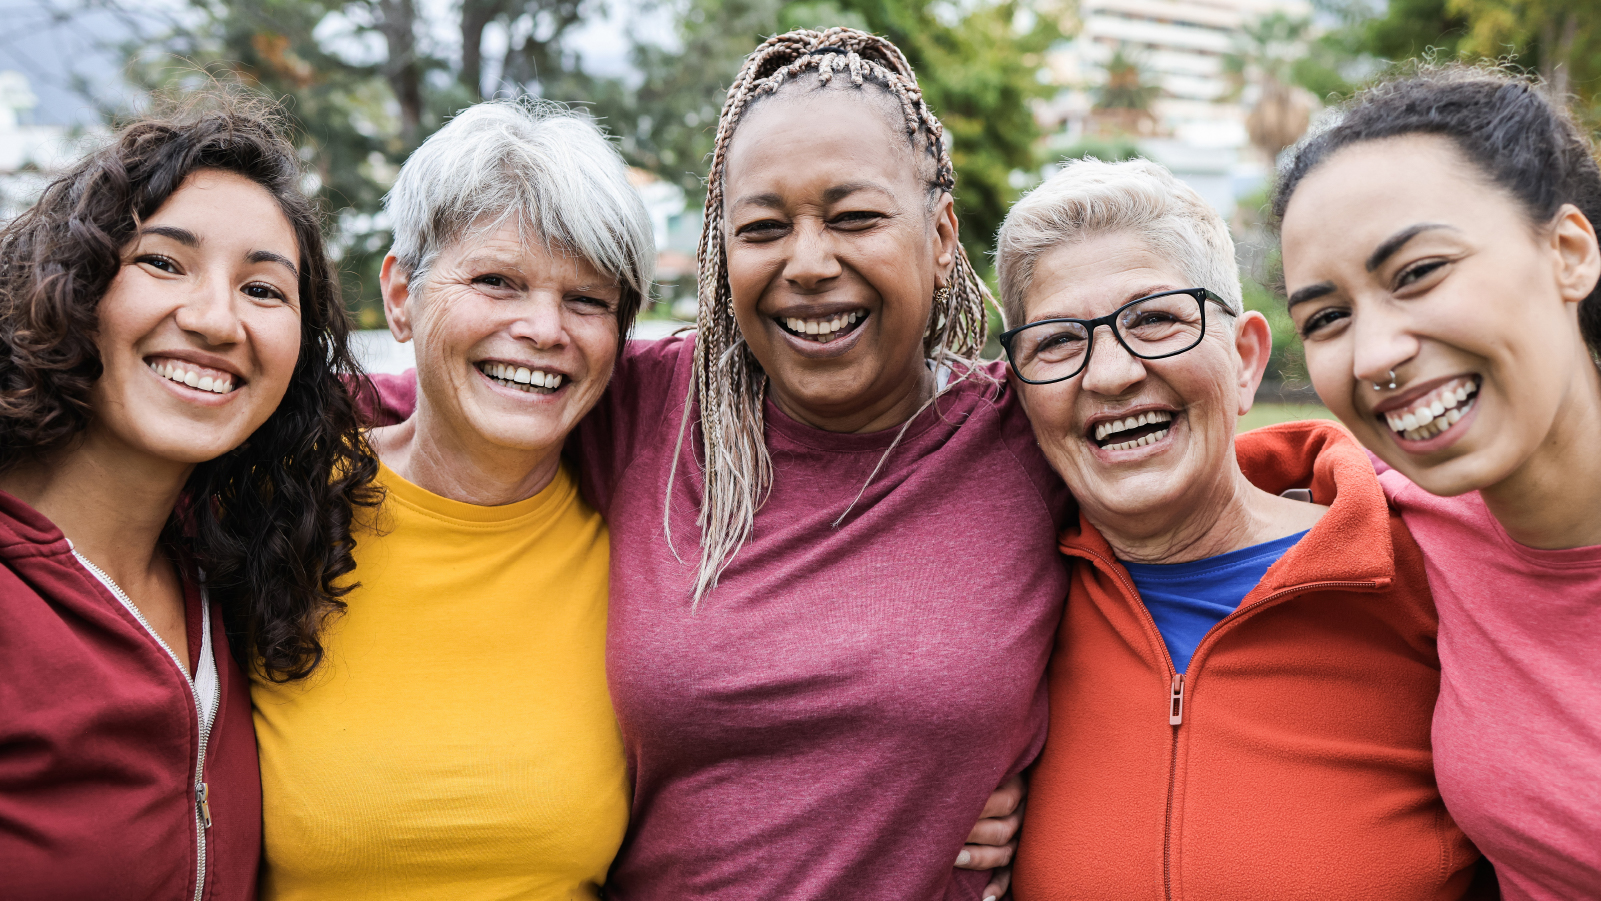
[1000, 881]
[1004, 800]
[985, 857]
[995, 831]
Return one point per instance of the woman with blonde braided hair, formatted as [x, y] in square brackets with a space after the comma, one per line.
[834, 576]
[834, 580]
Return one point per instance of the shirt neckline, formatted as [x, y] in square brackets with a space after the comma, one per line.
[563, 488]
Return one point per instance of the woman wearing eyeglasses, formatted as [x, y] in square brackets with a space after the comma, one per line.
[1242, 687]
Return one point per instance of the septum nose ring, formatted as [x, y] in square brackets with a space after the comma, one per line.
[1379, 387]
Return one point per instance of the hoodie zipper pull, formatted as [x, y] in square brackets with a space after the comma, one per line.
[203, 803]
[1175, 709]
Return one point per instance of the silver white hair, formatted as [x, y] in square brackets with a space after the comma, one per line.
[1089, 198]
[546, 166]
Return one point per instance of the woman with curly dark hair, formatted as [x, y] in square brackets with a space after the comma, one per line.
[177, 453]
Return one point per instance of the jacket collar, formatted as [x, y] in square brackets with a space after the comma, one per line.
[1351, 543]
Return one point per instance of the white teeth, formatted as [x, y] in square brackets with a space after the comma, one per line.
[177, 373]
[1434, 412]
[822, 330]
[521, 377]
[1133, 422]
[1139, 442]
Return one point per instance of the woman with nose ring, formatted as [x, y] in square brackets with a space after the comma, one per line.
[834, 582]
[179, 463]
[1442, 266]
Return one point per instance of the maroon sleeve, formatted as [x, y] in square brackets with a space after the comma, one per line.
[387, 399]
[644, 402]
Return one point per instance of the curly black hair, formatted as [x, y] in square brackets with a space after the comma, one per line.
[268, 523]
[1506, 124]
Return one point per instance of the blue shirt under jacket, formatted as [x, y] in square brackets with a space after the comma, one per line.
[1188, 599]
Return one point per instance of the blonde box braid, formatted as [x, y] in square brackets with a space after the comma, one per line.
[729, 383]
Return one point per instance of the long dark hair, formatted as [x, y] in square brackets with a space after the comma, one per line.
[270, 522]
[1506, 125]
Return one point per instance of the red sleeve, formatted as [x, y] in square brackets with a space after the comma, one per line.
[643, 404]
[387, 399]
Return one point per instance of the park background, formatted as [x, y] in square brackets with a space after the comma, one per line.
[1216, 90]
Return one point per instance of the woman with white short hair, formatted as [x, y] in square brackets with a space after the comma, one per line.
[1242, 686]
[458, 740]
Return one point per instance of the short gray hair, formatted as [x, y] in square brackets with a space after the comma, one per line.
[545, 165]
[1089, 198]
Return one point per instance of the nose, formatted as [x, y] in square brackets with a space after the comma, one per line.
[1381, 342]
[210, 313]
[540, 320]
[1110, 369]
[812, 260]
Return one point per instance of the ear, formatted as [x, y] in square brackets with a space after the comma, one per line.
[946, 238]
[1253, 341]
[1579, 259]
[395, 288]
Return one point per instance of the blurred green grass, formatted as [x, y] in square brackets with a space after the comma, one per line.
[1267, 414]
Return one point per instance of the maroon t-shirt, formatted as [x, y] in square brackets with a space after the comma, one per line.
[830, 720]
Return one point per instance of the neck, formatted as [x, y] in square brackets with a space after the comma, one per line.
[455, 463]
[1226, 514]
[111, 502]
[892, 409]
[1552, 500]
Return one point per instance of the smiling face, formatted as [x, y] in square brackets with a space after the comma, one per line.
[515, 341]
[199, 331]
[1398, 255]
[1139, 438]
[834, 254]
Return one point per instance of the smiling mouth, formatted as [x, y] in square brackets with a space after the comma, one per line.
[523, 378]
[1133, 431]
[1433, 413]
[199, 378]
[824, 329]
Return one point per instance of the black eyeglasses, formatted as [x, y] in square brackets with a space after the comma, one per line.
[1161, 325]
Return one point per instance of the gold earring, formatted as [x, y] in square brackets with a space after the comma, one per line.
[942, 296]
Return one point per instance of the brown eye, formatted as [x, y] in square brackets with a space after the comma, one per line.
[1322, 319]
[159, 262]
[765, 228]
[1421, 270]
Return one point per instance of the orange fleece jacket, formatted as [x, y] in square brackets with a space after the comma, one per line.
[1292, 759]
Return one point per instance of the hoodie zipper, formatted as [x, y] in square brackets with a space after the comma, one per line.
[202, 806]
[1177, 687]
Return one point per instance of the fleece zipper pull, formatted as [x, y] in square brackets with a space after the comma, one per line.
[1175, 708]
[203, 803]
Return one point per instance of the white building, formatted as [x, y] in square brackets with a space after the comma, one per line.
[29, 154]
[1180, 45]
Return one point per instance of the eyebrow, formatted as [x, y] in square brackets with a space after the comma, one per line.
[189, 239]
[1390, 245]
[182, 235]
[267, 256]
[1310, 292]
[840, 192]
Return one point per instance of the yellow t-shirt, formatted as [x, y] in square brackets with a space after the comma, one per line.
[458, 740]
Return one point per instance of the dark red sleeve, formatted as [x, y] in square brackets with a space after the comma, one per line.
[644, 403]
[387, 399]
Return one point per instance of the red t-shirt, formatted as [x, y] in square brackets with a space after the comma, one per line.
[830, 721]
[1517, 736]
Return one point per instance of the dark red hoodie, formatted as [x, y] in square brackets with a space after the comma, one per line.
[99, 739]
